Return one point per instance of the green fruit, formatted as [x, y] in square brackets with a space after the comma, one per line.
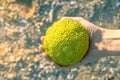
[66, 42]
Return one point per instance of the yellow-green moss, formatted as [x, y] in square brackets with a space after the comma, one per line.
[66, 42]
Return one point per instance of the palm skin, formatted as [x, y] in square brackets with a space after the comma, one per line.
[96, 46]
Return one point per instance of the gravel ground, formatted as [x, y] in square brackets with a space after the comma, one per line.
[23, 22]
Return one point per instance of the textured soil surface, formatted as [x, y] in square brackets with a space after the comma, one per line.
[23, 22]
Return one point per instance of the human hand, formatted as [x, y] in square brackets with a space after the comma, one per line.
[96, 48]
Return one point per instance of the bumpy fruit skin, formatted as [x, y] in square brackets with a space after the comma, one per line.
[66, 42]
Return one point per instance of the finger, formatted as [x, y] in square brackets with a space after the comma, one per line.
[58, 66]
[41, 48]
[55, 64]
[64, 67]
[44, 54]
[42, 38]
[46, 57]
[73, 66]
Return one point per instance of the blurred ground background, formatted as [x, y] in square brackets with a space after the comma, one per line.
[23, 22]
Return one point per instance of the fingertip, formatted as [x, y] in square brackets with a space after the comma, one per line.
[46, 57]
[41, 47]
[55, 65]
[44, 54]
[42, 38]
